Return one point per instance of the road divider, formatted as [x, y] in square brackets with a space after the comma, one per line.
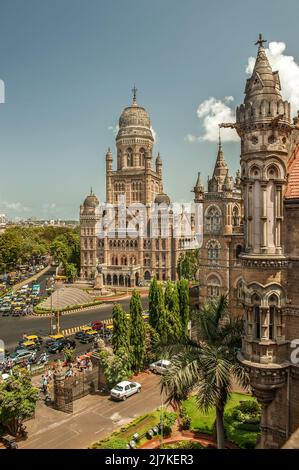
[75, 329]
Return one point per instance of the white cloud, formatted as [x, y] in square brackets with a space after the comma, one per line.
[213, 111]
[154, 134]
[114, 129]
[288, 72]
[191, 138]
[49, 206]
[15, 206]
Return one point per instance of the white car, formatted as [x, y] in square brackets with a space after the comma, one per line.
[160, 367]
[125, 389]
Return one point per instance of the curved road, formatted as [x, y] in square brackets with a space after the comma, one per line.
[13, 328]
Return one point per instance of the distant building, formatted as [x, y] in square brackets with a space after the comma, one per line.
[126, 258]
[2, 223]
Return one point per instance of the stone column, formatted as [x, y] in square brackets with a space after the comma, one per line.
[263, 216]
[58, 379]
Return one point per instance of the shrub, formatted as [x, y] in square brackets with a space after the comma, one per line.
[185, 420]
[112, 443]
[249, 407]
[183, 445]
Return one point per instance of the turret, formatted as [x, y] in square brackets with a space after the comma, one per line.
[198, 189]
[159, 165]
[109, 160]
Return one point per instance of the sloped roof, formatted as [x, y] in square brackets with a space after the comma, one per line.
[292, 191]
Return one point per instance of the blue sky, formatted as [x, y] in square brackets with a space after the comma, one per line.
[69, 66]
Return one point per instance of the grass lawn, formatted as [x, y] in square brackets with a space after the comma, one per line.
[204, 422]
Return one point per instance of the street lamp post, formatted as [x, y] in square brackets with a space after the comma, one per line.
[161, 419]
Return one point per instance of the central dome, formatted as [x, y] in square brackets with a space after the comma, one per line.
[134, 116]
[134, 120]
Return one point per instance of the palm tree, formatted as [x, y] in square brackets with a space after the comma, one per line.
[207, 366]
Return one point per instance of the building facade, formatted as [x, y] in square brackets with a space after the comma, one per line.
[145, 241]
[270, 261]
[223, 235]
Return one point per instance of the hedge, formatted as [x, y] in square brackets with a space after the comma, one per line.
[40, 309]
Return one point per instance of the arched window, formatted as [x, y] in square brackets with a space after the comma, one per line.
[236, 217]
[257, 315]
[147, 276]
[129, 157]
[213, 251]
[240, 292]
[213, 286]
[124, 260]
[239, 250]
[213, 219]
[141, 157]
[273, 303]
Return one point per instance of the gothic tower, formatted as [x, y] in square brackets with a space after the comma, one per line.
[264, 125]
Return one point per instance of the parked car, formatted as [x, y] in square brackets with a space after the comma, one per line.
[18, 356]
[80, 334]
[56, 347]
[5, 307]
[60, 344]
[125, 389]
[89, 336]
[160, 367]
[97, 325]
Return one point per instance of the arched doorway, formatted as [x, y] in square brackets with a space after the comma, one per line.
[109, 279]
[115, 280]
[136, 279]
[147, 276]
[121, 280]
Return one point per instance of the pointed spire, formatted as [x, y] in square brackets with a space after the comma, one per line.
[109, 154]
[198, 183]
[91, 191]
[263, 80]
[198, 188]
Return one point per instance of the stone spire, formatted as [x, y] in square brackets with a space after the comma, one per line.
[220, 168]
[198, 188]
[264, 83]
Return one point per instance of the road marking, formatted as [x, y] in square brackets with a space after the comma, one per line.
[100, 430]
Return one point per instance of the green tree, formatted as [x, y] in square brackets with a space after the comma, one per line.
[171, 300]
[69, 354]
[121, 330]
[137, 333]
[152, 342]
[71, 271]
[155, 302]
[184, 302]
[208, 366]
[18, 399]
[188, 264]
[60, 250]
[115, 368]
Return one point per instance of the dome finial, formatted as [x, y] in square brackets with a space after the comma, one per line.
[260, 41]
[134, 91]
[91, 191]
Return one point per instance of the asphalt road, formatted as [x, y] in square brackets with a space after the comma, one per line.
[13, 328]
[94, 417]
